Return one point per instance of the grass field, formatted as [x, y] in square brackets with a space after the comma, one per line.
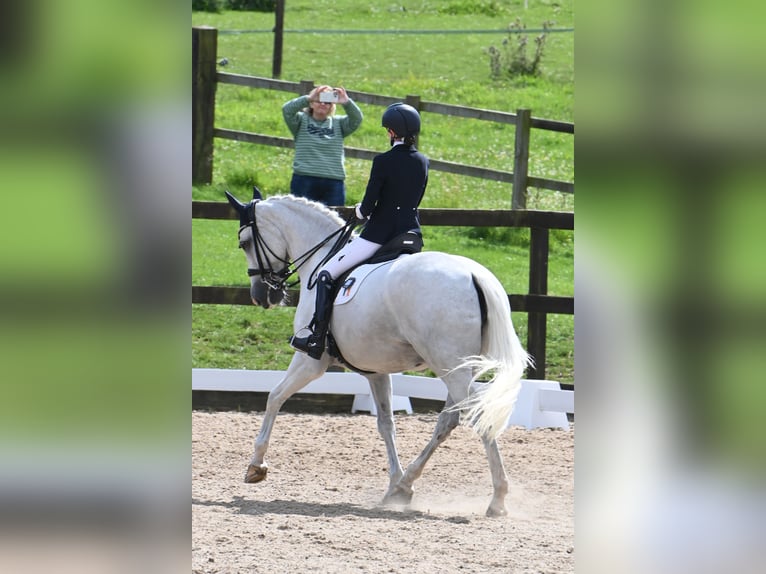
[442, 67]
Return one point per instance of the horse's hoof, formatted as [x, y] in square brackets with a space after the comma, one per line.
[398, 497]
[496, 512]
[256, 473]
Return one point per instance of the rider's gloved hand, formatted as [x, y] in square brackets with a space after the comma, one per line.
[358, 211]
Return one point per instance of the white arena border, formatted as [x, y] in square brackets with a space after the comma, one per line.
[540, 403]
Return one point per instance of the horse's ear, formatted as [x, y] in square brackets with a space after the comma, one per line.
[235, 203]
[257, 193]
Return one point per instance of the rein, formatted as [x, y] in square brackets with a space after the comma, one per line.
[277, 280]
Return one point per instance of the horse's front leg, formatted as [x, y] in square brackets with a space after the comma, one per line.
[380, 387]
[301, 372]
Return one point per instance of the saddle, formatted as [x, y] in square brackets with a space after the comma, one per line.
[404, 243]
[408, 242]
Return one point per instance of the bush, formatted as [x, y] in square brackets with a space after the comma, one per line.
[512, 59]
[206, 5]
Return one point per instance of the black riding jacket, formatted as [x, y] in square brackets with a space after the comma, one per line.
[398, 180]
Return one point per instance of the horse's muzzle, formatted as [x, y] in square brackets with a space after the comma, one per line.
[259, 294]
[264, 296]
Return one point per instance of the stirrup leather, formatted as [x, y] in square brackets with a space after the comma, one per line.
[314, 343]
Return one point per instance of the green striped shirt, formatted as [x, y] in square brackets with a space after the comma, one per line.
[319, 145]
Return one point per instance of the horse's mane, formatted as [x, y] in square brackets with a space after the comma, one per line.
[302, 202]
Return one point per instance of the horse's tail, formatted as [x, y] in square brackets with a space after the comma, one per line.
[490, 404]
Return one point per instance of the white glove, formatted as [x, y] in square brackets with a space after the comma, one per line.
[358, 210]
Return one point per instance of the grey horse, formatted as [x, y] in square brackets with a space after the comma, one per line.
[425, 310]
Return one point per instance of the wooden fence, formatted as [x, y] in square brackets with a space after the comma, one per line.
[536, 303]
[205, 77]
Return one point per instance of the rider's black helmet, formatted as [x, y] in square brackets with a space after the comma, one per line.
[403, 119]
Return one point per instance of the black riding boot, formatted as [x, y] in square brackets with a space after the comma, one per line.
[314, 343]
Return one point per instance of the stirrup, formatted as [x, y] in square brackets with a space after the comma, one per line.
[307, 345]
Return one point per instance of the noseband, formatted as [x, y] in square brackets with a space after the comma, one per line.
[277, 280]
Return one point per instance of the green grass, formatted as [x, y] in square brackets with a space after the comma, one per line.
[447, 68]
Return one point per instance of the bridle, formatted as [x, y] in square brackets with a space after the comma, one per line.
[273, 279]
[277, 280]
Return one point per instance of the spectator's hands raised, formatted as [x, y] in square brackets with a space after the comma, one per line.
[314, 94]
[342, 95]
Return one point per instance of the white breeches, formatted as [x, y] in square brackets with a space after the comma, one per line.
[352, 254]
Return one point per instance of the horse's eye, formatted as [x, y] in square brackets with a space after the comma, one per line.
[242, 244]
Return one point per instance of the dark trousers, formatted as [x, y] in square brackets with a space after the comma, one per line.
[331, 192]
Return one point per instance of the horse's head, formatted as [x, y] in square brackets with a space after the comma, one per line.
[265, 251]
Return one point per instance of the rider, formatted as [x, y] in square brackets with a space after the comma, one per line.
[398, 180]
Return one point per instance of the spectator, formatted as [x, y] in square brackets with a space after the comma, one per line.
[319, 170]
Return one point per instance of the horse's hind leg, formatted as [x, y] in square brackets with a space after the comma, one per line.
[499, 478]
[300, 373]
[380, 386]
[445, 424]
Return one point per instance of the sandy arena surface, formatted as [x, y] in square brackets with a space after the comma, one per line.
[318, 511]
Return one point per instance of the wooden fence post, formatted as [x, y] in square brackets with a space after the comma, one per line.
[305, 87]
[521, 159]
[204, 49]
[279, 29]
[414, 101]
[538, 285]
